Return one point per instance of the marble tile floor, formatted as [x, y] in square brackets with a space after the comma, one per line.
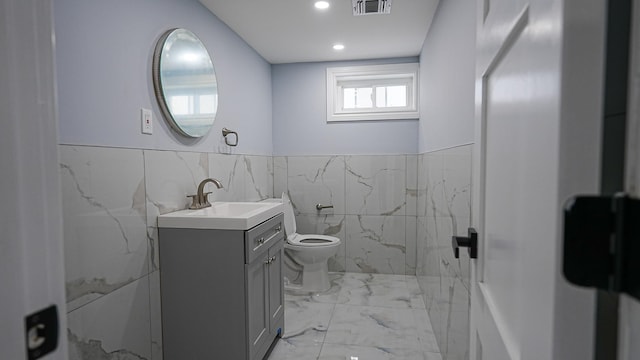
[362, 317]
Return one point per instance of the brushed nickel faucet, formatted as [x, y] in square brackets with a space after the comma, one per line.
[201, 199]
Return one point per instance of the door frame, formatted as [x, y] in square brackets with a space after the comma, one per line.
[31, 245]
[629, 309]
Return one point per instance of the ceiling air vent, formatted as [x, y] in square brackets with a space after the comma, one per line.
[370, 7]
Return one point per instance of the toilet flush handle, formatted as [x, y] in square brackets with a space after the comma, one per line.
[320, 207]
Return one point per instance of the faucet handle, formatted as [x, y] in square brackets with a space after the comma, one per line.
[194, 202]
[205, 199]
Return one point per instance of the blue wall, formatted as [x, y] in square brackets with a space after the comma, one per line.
[300, 124]
[104, 51]
[447, 75]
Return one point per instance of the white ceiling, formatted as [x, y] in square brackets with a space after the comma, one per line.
[288, 31]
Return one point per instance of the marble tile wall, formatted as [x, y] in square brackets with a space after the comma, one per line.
[395, 214]
[374, 201]
[444, 210]
[111, 199]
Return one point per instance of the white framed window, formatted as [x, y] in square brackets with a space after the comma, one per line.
[372, 92]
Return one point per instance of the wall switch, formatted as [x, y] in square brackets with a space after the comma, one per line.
[147, 121]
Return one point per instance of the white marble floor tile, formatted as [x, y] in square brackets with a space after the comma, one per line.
[295, 350]
[397, 328]
[415, 293]
[348, 352]
[377, 290]
[306, 321]
[373, 326]
[331, 296]
[426, 335]
[356, 279]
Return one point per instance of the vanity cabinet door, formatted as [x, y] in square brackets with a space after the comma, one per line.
[276, 286]
[257, 303]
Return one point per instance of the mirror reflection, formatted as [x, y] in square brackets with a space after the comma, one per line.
[185, 83]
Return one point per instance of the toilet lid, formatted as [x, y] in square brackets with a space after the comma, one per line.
[289, 217]
[312, 240]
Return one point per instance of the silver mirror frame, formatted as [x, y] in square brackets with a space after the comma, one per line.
[157, 83]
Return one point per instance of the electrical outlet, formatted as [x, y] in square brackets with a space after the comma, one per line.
[147, 121]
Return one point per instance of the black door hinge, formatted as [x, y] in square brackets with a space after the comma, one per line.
[602, 243]
[42, 332]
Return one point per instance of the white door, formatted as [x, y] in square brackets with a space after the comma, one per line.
[629, 318]
[31, 253]
[539, 75]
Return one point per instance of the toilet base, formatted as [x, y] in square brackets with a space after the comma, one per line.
[315, 277]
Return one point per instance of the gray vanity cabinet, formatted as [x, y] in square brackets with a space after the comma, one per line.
[276, 287]
[265, 303]
[222, 291]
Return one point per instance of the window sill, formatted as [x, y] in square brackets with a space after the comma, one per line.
[413, 115]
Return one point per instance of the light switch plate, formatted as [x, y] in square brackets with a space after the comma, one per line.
[147, 121]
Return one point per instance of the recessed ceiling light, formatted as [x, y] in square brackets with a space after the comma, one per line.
[321, 5]
[338, 47]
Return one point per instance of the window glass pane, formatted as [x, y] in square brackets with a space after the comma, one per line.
[363, 98]
[396, 96]
[349, 98]
[208, 104]
[357, 98]
[391, 96]
[180, 105]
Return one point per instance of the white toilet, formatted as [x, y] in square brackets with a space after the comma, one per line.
[310, 251]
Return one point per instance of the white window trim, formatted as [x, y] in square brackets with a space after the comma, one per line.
[358, 73]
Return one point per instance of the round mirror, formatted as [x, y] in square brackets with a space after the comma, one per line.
[185, 83]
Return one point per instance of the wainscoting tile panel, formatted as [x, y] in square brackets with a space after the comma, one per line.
[376, 185]
[412, 193]
[116, 326]
[169, 177]
[155, 311]
[104, 220]
[445, 211]
[316, 180]
[411, 234]
[279, 175]
[258, 179]
[230, 170]
[376, 244]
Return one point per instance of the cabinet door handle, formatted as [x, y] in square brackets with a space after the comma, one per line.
[261, 241]
[278, 228]
[270, 260]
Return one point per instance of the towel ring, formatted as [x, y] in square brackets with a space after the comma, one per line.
[226, 132]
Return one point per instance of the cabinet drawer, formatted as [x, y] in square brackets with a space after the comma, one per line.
[259, 238]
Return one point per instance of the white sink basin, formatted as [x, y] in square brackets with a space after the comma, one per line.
[222, 215]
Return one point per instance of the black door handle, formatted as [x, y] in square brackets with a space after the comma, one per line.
[471, 241]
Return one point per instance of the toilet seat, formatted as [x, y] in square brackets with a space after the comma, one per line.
[312, 240]
[305, 240]
[311, 251]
